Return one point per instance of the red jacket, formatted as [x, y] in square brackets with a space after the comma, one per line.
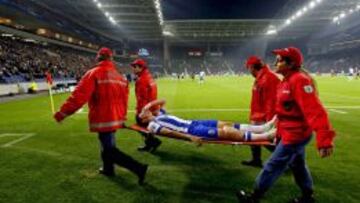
[106, 92]
[300, 112]
[264, 95]
[145, 90]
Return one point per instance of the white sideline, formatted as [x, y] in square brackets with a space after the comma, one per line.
[190, 110]
[338, 111]
[341, 96]
[52, 154]
[25, 136]
[343, 107]
[11, 134]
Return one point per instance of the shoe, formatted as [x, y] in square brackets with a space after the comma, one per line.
[155, 143]
[271, 134]
[270, 124]
[244, 197]
[106, 173]
[107, 168]
[145, 148]
[151, 144]
[131, 164]
[142, 174]
[304, 199]
[253, 163]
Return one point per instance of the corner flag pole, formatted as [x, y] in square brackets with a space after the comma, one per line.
[51, 99]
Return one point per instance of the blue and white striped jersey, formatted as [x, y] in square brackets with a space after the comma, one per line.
[168, 121]
[173, 123]
[206, 129]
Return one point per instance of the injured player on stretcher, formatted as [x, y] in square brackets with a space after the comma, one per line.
[167, 125]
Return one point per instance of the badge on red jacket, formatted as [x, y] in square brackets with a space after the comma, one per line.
[308, 89]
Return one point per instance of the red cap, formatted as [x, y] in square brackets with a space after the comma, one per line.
[291, 52]
[104, 51]
[253, 60]
[139, 62]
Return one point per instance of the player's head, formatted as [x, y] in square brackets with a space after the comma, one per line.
[146, 116]
[138, 65]
[254, 64]
[288, 59]
[104, 54]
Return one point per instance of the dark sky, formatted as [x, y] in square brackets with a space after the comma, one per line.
[220, 9]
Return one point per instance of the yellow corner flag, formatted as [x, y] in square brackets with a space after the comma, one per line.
[51, 99]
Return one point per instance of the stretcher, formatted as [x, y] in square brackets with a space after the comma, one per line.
[140, 129]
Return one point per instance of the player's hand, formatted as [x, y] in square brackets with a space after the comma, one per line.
[143, 113]
[59, 116]
[146, 107]
[325, 152]
[196, 140]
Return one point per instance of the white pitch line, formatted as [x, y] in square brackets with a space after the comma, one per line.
[49, 153]
[27, 136]
[343, 107]
[208, 110]
[338, 111]
[341, 96]
[11, 134]
[52, 154]
[192, 110]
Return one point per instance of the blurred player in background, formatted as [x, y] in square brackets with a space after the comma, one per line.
[351, 73]
[201, 77]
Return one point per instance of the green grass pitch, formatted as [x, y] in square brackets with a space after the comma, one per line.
[58, 162]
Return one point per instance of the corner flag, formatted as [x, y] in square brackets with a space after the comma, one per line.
[49, 81]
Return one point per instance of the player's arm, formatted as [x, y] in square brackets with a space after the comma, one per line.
[163, 131]
[174, 134]
[158, 102]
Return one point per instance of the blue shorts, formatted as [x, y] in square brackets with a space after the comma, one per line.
[206, 129]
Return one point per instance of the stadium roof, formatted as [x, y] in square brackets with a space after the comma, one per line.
[224, 9]
[202, 20]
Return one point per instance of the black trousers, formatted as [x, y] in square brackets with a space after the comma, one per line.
[111, 155]
[256, 152]
[149, 138]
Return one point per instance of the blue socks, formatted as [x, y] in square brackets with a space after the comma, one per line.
[237, 126]
[247, 136]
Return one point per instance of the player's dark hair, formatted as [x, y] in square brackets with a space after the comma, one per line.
[289, 61]
[257, 66]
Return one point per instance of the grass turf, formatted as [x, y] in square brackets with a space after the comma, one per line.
[59, 163]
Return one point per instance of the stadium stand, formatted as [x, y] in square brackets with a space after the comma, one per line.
[22, 61]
